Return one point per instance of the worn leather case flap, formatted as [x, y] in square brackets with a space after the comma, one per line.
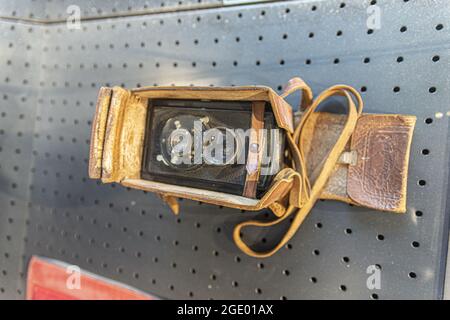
[281, 109]
[376, 176]
[98, 133]
[378, 179]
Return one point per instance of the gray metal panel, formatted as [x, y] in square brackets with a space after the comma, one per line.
[29, 9]
[132, 237]
[59, 9]
[19, 56]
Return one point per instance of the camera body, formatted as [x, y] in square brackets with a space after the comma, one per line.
[210, 144]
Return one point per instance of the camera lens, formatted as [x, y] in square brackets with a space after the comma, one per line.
[223, 144]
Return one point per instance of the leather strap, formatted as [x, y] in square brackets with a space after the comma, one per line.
[297, 84]
[255, 150]
[303, 196]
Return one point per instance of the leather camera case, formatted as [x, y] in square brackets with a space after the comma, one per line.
[357, 158]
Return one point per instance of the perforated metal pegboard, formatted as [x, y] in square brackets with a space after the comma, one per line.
[19, 56]
[52, 209]
[58, 10]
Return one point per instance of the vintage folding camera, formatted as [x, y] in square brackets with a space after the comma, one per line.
[211, 145]
[220, 145]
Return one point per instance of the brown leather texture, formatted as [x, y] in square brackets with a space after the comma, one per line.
[381, 144]
[322, 130]
[254, 155]
[111, 158]
[378, 180]
[281, 109]
[98, 132]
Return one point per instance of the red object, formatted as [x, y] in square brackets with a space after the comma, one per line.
[55, 280]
